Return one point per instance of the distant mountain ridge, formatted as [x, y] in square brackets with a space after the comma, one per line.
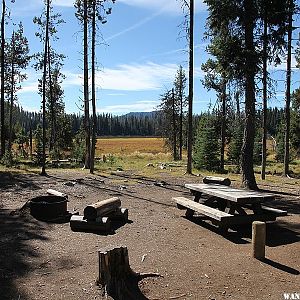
[142, 114]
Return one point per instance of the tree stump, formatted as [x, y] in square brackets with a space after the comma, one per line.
[116, 277]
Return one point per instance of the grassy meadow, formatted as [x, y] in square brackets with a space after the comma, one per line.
[130, 145]
[148, 156]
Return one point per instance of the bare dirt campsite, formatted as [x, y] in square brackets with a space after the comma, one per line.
[47, 260]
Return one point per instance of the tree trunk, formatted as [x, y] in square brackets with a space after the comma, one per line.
[43, 172]
[94, 129]
[12, 85]
[223, 125]
[237, 101]
[191, 89]
[264, 121]
[181, 123]
[248, 178]
[52, 105]
[30, 139]
[288, 96]
[86, 88]
[2, 129]
[174, 127]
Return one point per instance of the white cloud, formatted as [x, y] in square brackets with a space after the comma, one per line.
[139, 106]
[137, 77]
[34, 7]
[66, 3]
[30, 87]
[115, 94]
[129, 77]
[168, 6]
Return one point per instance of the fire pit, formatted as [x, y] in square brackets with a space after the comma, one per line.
[49, 207]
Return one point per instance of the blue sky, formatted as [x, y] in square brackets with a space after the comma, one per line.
[139, 62]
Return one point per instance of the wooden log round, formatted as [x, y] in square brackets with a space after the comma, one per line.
[101, 224]
[258, 239]
[120, 215]
[56, 193]
[216, 180]
[101, 208]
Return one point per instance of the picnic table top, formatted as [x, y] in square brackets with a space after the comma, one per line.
[229, 193]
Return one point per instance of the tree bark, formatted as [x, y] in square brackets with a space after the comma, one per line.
[12, 83]
[223, 125]
[52, 104]
[191, 90]
[2, 129]
[174, 126]
[248, 178]
[86, 87]
[43, 172]
[30, 139]
[288, 95]
[116, 277]
[94, 128]
[180, 120]
[264, 121]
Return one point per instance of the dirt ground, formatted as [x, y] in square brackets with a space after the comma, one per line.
[40, 260]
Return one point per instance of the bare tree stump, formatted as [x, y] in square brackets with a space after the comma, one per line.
[116, 277]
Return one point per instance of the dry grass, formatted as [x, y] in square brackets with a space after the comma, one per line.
[130, 145]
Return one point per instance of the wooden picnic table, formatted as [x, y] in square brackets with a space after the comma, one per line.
[227, 206]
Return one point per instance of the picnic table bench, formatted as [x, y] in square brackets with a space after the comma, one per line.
[227, 206]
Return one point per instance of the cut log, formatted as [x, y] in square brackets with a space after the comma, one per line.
[217, 180]
[56, 193]
[81, 224]
[121, 215]
[116, 277]
[101, 208]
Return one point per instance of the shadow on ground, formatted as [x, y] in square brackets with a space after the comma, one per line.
[278, 233]
[280, 266]
[115, 192]
[17, 182]
[16, 252]
[113, 230]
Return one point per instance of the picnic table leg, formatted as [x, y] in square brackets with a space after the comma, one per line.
[223, 229]
[257, 209]
[189, 212]
[197, 196]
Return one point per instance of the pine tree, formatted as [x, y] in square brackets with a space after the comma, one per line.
[50, 63]
[170, 116]
[2, 100]
[257, 149]
[38, 135]
[236, 142]
[17, 59]
[215, 78]
[280, 143]
[295, 121]
[206, 149]
[181, 102]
